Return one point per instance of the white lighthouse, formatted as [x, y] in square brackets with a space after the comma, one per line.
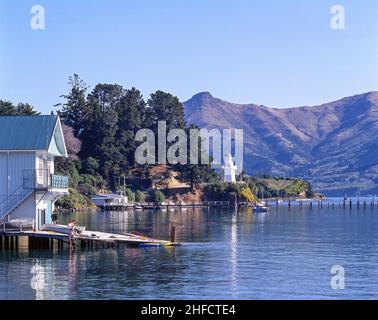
[229, 169]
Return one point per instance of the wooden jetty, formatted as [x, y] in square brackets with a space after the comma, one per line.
[314, 203]
[10, 238]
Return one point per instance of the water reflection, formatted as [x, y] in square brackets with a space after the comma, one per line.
[226, 255]
[37, 281]
[234, 254]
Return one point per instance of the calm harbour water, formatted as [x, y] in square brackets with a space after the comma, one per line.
[283, 254]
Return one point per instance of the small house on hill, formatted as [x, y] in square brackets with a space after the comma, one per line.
[28, 185]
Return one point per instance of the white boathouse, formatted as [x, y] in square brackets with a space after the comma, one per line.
[104, 201]
[28, 185]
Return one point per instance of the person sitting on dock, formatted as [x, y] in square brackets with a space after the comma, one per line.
[71, 227]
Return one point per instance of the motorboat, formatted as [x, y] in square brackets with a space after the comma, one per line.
[260, 207]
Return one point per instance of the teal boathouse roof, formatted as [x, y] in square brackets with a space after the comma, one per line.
[32, 133]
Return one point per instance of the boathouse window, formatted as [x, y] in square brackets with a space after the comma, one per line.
[50, 164]
[40, 169]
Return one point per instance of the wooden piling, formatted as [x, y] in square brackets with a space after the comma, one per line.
[6, 243]
[172, 233]
[30, 243]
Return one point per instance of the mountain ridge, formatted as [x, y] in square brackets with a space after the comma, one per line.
[331, 144]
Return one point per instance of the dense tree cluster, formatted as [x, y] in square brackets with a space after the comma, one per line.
[264, 188]
[7, 108]
[106, 120]
[229, 192]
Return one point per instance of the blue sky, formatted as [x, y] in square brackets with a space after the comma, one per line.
[272, 52]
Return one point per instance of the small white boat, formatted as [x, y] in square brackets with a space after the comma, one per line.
[58, 228]
[260, 207]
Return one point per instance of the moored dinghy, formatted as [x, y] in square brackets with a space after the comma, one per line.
[260, 207]
[58, 228]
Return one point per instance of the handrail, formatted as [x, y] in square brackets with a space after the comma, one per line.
[58, 181]
[32, 179]
[20, 193]
[22, 186]
[16, 192]
[12, 202]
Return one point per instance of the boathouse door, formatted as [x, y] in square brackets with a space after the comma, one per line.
[48, 213]
[41, 217]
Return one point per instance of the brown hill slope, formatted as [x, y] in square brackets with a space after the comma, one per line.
[334, 145]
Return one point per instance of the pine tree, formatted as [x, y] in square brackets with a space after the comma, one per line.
[131, 112]
[99, 135]
[75, 112]
[165, 107]
[26, 109]
[7, 108]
